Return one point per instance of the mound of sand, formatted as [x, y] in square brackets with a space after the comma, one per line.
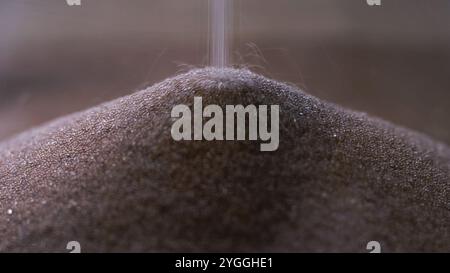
[113, 179]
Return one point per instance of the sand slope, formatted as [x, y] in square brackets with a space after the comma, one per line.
[113, 179]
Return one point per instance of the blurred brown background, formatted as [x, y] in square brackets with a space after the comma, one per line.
[392, 61]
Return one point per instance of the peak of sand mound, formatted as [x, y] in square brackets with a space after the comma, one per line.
[113, 178]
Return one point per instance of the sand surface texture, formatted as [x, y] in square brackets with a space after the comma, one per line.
[112, 178]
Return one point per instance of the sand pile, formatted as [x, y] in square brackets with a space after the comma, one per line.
[113, 178]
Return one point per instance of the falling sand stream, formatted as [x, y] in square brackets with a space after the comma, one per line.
[220, 32]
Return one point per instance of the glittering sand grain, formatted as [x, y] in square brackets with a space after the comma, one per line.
[113, 179]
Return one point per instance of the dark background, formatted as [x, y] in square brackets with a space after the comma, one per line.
[391, 61]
